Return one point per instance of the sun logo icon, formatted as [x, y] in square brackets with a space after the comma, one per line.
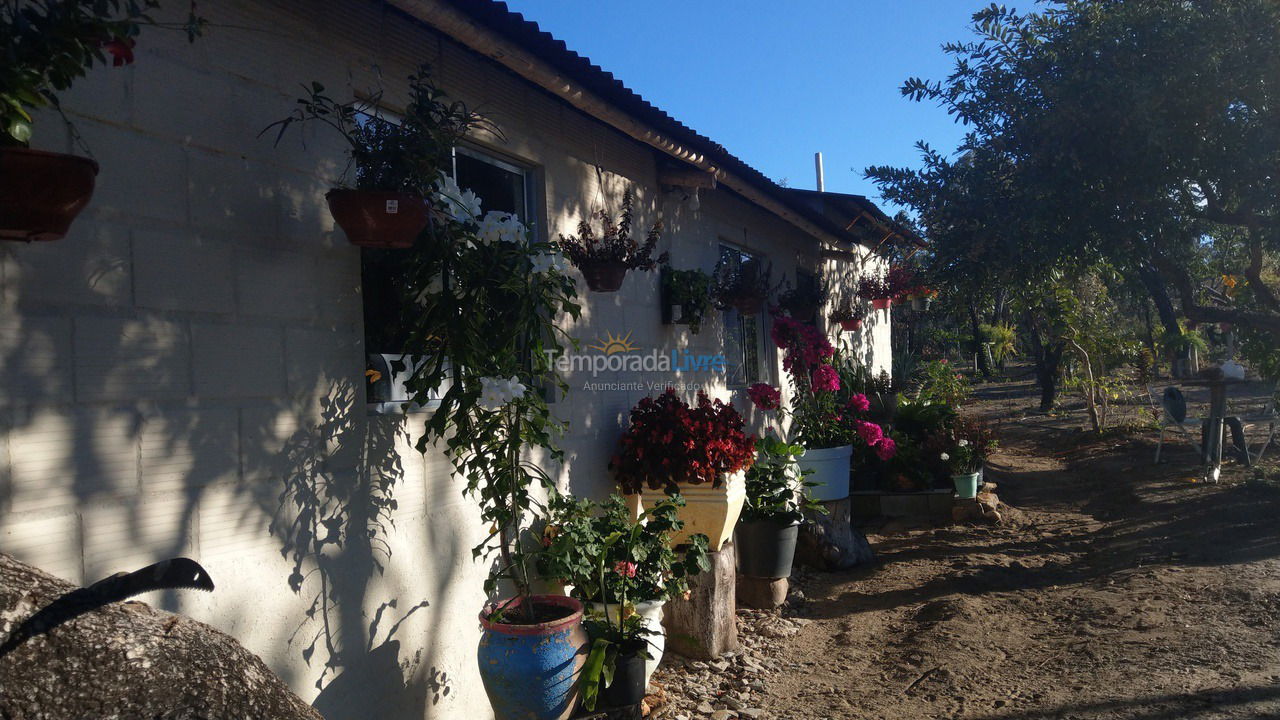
[612, 344]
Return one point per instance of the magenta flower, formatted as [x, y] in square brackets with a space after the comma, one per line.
[859, 402]
[626, 569]
[870, 433]
[765, 396]
[885, 448]
[826, 379]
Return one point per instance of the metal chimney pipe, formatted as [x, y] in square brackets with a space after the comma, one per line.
[817, 166]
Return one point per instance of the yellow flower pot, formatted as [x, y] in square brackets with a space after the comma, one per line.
[710, 511]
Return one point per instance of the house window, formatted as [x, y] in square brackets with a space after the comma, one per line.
[744, 345]
[502, 186]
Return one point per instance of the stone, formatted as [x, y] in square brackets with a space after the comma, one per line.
[705, 708]
[704, 626]
[127, 660]
[762, 593]
[831, 542]
[753, 713]
[722, 715]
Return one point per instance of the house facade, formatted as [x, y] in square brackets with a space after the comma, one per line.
[183, 374]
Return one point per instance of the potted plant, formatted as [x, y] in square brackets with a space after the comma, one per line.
[742, 285]
[902, 281]
[699, 452]
[777, 496]
[582, 537]
[921, 297]
[48, 46]
[963, 448]
[686, 297]
[484, 313]
[876, 289]
[803, 301]
[826, 417]
[605, 259]
[398, 164]
[849, 314]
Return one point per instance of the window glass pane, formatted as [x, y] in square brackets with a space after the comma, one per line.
[743, 333]
[499, 186]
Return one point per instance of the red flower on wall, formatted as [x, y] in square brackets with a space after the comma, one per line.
[120, 50]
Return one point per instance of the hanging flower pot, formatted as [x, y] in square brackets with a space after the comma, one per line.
[851, 325]
[531, 671]
[881, 303]
[379, 219]
[41, 193]
[603, 275]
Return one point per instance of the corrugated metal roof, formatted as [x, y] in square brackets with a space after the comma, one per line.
[513, 26]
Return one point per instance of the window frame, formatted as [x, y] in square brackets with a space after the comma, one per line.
[735, 322]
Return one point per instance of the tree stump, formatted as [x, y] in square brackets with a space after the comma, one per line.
[705, 626]
[127, 660]
[762, 593]
[831, 542]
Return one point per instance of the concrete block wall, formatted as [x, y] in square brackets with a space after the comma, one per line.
[183, 374]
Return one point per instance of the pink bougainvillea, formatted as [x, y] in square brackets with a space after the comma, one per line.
[765, 396]
[859, 402]
[885, 448]
[868, 431]
[825, 379]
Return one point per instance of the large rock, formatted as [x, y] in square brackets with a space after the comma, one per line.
[127, 660]
[830, 541]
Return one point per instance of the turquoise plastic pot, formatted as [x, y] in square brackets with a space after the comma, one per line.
[531, 672]
[966, 485]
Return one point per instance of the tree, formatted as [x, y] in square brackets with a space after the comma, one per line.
[1143, 132]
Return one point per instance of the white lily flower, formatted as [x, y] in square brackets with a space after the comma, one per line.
[945, 457]
[549, 263]
[496, 393]
[462, 205]
[963, 443]
[500, 227]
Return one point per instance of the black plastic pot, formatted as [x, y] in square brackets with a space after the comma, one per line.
[766, 548]
[628, 682]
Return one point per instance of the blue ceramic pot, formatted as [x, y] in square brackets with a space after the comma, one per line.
[530, 671]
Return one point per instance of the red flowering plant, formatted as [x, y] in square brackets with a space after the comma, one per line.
[765, 396]
[614, 243]
[901, 281]
[874, 287]
[51, 44]
[669, 444]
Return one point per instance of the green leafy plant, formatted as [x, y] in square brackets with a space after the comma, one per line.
[740, 284]
[1003, 339]
[610, 642]
[404, 155]
[776, 489]
[691, 290]
[965, 446]
[849, 309]
[804, 299]
[576, 541]
[938, 380]
[49, 44]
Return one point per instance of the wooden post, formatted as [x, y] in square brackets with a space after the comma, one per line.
[705, 626]
[762, 593]
[831, 542]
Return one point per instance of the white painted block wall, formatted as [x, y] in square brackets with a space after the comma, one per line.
[182, 375]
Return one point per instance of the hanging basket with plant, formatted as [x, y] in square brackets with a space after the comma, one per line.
[876, 289]
[397, 164]
[803, 301]
[686, 297]
[849, 314]
[743, 285]
[48, 46]
[604, 259]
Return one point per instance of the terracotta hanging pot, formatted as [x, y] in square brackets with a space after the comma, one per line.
[379, 219]
[604, 275]
[881, 303]
[41, 193]
[850, 325]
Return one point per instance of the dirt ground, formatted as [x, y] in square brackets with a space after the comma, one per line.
[1123, 590]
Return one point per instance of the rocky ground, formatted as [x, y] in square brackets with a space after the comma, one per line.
[1120, 589]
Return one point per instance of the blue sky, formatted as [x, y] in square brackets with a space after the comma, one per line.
[775, 82]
